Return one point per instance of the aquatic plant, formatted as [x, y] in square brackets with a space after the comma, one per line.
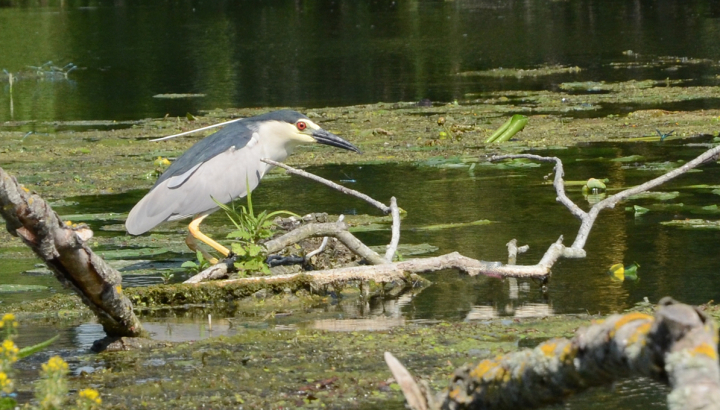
[52, 388]
[51, 391]
[195, 267]
[251, 231]
[512, 126]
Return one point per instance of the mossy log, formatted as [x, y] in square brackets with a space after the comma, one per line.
[678, 347]
[64, 251]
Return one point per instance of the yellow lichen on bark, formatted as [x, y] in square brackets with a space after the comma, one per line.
[548, 348]
[483, 368]
[454, 393]
[640, 331]
[705, 349]
[630, 317]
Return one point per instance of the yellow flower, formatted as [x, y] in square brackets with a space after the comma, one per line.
[9, 320]
[8, 351]
[55, 364]
[91, 395]
[6, 385]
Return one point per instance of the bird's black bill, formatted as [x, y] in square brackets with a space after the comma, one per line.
[328, 138]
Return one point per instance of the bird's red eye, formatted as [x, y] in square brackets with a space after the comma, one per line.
[301, 125]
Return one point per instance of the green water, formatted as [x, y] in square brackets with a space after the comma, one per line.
[677, 262]
[315, 53]
[674, 261]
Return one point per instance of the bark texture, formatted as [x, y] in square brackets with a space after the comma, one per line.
[678, 347]
[64, 251]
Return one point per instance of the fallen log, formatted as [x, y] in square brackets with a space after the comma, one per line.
[62, 248]
[677, 347]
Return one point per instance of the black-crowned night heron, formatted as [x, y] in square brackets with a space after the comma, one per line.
[224, 166]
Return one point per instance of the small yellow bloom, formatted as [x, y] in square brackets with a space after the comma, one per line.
[55, 364]
[91, 395]
[8, 351]
[6, 385]
[9, 320]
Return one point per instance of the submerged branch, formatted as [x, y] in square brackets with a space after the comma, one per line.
[677, 347]
[587, 219]
[64, 251]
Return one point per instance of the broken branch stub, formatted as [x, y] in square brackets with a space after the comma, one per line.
[64, 251]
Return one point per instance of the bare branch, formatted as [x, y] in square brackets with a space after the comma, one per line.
[389, 272]
[558, 182]
[334, 229]
[588, 218]
[318, 250]
[412, 392]
[395, 239]
[386, 209]
[611, 201]
[513, 251]
[218, 271]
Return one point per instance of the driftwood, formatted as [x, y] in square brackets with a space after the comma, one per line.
[64, 251]
[540, 270]
[333, 229]
[392, 209]
[678, 347]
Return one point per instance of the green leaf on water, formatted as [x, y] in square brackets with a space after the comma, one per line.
[12, 288]
[438, 227]
[27, 351]
[631, 158]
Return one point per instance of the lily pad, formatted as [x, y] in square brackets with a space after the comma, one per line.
[408, 249]
[630, 158]
[452, 225]
[369, 228]
[131, 253]
[110, 216]
[173, 96]
[511, 164]
[693, 224]
[710, 209]
[12, 288]
[658, 196]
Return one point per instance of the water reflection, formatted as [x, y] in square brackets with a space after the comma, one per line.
[673, 261]
[315, 53]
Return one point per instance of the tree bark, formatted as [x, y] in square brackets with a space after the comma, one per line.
[678, 347]
[64, 251]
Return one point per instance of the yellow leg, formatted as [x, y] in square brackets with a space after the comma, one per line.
[193, 245]
[195, 232]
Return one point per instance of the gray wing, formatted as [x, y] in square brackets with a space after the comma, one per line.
[190, 188]
[237, 134]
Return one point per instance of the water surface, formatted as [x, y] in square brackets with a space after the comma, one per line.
[318, 53]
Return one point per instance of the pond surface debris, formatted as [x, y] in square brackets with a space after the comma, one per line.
[289, 366]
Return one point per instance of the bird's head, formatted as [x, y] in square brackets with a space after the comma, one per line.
[294, 129]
